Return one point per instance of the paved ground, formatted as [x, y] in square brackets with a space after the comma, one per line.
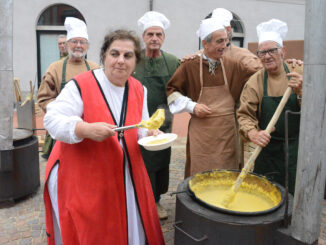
[23, 222]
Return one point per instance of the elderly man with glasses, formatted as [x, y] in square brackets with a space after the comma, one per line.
[63, 70]
[260, 98]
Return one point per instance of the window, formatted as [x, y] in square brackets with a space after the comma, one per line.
[56, 15]
[49, 26]
[237, 31]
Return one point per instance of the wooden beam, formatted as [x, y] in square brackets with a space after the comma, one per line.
[311, 171]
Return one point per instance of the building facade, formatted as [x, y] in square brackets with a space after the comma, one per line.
[37, 23]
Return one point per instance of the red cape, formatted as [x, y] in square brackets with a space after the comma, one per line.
[91, 181]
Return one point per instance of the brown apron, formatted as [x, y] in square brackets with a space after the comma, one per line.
[212, 139]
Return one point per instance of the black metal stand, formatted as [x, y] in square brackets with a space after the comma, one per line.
[283, 235]
[287, 220]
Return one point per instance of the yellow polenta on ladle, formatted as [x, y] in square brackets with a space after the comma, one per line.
[250, 163]
[154, 122]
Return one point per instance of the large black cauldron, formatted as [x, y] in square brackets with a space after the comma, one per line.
[19, 168]
[197, 224]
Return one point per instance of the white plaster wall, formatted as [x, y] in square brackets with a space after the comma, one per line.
[185, 15]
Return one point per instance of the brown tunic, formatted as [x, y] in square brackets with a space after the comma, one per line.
[186, 81]
[50, 85]
[186, 78]
[244, 56]
[252, 94]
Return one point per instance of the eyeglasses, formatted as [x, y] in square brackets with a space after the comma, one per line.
[81, 42]
[271, 51]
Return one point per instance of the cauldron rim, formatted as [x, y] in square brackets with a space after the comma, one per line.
[21, 134]
[228, 211]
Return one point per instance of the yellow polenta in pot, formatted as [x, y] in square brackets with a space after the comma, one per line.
[256, 193]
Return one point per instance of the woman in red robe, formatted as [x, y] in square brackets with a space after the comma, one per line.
[96, 187]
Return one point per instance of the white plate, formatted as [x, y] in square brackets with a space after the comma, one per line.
[157, 147]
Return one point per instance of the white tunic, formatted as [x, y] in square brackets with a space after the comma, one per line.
[60, 121]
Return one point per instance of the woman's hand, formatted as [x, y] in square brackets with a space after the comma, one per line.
[154, 132]
[260, 137]
[98, 131]
[295, 82]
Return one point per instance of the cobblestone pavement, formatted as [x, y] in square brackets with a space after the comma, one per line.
[22, 222]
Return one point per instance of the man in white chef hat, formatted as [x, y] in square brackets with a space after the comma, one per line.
[62, 71]
[224, 16]
[55, 78]
[245, 56]
[260, 98]
[154, 71]
[207, 87]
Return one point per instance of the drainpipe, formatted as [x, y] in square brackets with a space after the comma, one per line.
[151, 5]
[6, 85]
[6, 74]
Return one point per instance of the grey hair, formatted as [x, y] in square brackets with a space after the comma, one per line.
[208, 38]
[62, 36]
[149, 27]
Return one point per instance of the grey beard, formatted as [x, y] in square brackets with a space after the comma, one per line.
[71, 54]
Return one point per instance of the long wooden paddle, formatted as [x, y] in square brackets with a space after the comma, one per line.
[250, 163]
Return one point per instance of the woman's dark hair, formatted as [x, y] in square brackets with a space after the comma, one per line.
[120, 35]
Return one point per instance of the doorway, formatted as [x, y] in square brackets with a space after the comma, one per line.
[50, 25]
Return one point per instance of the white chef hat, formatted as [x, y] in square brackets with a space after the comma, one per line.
[208, 26]
[75, 28]
[223, 15]
[153, 18]
[272, 30]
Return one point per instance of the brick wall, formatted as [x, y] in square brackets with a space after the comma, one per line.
[294, 48]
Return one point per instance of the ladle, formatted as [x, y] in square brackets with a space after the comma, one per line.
[154, 122]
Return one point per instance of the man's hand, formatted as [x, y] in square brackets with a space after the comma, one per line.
[260, 137]
[190, 56]
[98, 131]
[202, 110]
[294, 62]
[295, 82]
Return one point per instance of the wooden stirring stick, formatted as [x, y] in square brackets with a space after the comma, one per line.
[250, 163]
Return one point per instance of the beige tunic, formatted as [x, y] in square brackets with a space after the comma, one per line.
[252, 94]
[50, 85]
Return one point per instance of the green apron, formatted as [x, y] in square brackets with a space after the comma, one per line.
[271, 160]
[49, 142]
[154, 73]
